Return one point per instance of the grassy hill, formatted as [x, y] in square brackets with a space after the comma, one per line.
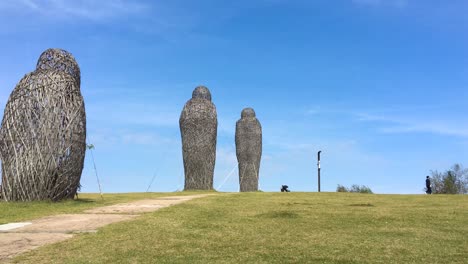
[279, 228]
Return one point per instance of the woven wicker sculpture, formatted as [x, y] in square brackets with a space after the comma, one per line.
[248, 150]
[198, 127]
[43, 133]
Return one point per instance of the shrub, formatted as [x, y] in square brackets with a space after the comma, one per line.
[341, 188]
[453, 181]
[354, 189]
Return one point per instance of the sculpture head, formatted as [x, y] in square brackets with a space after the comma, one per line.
[247, 112]
[202, 92]
[59, 60]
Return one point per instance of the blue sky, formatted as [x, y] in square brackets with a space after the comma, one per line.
[380, 86]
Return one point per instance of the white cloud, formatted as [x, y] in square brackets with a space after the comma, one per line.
[86, 9]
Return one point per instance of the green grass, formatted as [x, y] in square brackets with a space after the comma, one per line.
[20, 211]
[280, 228]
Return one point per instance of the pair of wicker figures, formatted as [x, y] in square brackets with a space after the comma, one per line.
[43, 135]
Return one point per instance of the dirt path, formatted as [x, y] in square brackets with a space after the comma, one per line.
[17, 238]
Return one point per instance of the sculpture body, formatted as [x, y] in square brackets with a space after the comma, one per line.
[198, 127]
[43, 132]
[248, 150]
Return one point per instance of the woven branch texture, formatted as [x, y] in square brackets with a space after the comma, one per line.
[198, 128]
[43, 132]
[248, 150]
[60, 60]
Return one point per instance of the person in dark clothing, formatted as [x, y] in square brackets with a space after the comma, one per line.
[284, 188]
[428, 185]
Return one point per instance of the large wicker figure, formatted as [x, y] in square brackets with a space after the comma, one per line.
[43, 133]
[248, 150]
[198, 127]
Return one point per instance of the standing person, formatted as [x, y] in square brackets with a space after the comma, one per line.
[428, 185]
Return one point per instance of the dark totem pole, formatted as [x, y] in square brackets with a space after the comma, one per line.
[43, 132]
[248, 150]
[198, 128]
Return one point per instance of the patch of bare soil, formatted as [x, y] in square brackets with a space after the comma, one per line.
[72, 223]
[13, 244]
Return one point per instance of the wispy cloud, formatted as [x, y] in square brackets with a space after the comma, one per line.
[86, 9]
[411, 124]
[28, 3]
[226, 156]
[142, 138]
[110, 138]
[313, 111]
[436, 127]
[226, 171]
[160, 119]
[151, 111]
[379, 3]
[372, 117]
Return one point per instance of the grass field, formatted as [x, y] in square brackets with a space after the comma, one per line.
[275, 228]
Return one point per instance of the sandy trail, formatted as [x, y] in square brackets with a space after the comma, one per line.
[17, 238]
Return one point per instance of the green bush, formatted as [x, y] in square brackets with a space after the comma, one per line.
[452, 181]
[354, 189]
[341, 188]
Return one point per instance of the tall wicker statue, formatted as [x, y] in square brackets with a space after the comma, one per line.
[198, 127]
[248, 150]
[43, 132]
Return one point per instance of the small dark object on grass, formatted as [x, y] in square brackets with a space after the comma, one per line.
[284, 188]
